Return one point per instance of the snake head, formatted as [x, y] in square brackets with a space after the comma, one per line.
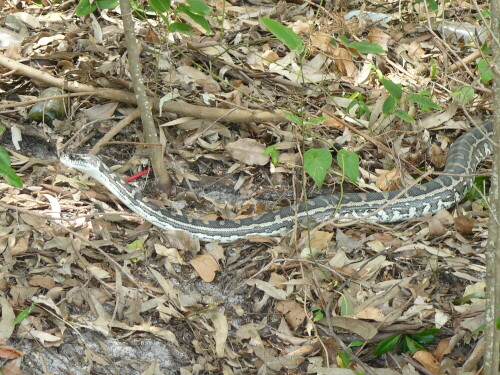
[83, 162]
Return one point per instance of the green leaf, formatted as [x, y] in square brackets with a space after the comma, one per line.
[345, 306]
[271, 150]
[426, 336]
[317, 313]
[348, 162]
[387, 345]
[345, 359]
[411, 345]
[180, 27]
[392, 88]
[7, 172]
[468, 297]
[107, 4]
[366, 47]
[498, 323]
[23, 315]
[464, 95]
[478, 189]
[424, 102]
[389, 105]
[200, 20]
[199, 7]
[161, 6]
[287, 36]
[84, 8]
[356, 344]
[317, 162]
[316, 120]
[294, 119]
[484, 70]
[404, 115]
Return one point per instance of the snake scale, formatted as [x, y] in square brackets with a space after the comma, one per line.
[441, 193]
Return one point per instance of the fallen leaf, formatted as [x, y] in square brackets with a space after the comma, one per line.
[206, 266]
[248, 151]
[427, 360]
[293, 312]
[8, 352]
[464, 224]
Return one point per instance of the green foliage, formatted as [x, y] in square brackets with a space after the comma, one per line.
[317, 162]
[348, 162]
[424, 102]
[358, 98]
[468, 298]
[197, 10]
[365, 47]
[464, 95]
[395, 91]
[7, 172]
[344, 360]
[273, 153]
[85, 7]
[23, 315]
[346, 307]
[484, 70]
[412, 343]
[287, 36]
[477, 191]
[318, 313]
[432, 5]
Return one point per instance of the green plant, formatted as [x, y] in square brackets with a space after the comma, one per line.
[196, 10]
[23, 315]
[412, 342]
[344, 359]
[7, 172]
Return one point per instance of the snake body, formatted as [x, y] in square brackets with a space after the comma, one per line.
[441, 193]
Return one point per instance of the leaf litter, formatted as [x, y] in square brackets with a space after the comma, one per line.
[111, 293]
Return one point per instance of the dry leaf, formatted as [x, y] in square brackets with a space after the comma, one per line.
[427, 360]
[371, 313]
[46, 282]
[364, 329]
[343, 61]
[379, 37]
[464, 224]
[293, 312]
[206, 266]
[248, 151]
[443, 348]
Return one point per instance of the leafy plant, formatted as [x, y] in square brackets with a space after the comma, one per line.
[197, 10]
[358, 99]
[424, 101]
[287, 36]
[23, 315]
[318, 313]
[407, 342]
[7, 172]
[343, 358]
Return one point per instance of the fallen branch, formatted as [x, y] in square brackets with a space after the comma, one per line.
[180, 108]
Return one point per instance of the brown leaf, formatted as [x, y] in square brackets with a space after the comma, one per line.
[464, 224]
[8, 352]
[248, 151]
[294, 313]
[343, 61]
[206, 266]
[371, 313]
[427, 360]
[442, 348]
[46, 282]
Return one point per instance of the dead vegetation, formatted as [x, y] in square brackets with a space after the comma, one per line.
[112, 294]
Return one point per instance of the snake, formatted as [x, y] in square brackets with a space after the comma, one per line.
[443, 192]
